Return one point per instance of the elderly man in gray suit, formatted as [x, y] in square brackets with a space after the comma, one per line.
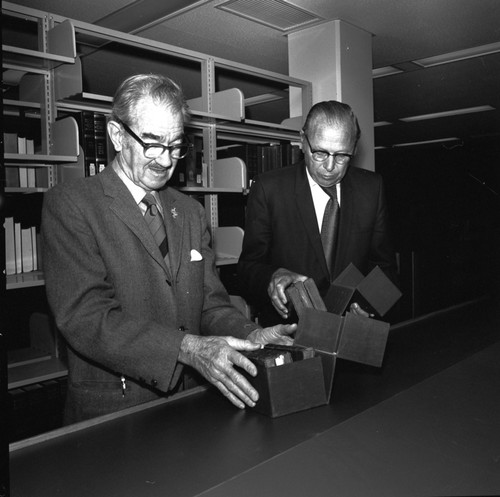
[130, 275]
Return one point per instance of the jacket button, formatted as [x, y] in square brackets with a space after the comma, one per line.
[154, 383]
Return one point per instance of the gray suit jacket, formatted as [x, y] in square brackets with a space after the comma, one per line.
[120, 308]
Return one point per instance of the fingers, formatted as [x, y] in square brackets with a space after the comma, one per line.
[236, 388]
[359, 311]
[280, 281]
[214, 358]
[278, 334]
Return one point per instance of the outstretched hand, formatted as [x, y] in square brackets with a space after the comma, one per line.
[278, 334]
[215, 358]
[280, 281]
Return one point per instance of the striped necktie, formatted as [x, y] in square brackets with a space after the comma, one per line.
[329, 227]
[155, 222]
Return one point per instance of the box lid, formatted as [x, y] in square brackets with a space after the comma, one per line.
[375, 293]
[351, 337]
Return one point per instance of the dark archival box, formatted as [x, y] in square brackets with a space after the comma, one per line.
[294, 378]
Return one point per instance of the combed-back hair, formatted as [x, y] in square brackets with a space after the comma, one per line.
[161, 89]
[333, 113]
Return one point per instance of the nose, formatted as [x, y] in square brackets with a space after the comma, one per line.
[164, 159]
[329, 164]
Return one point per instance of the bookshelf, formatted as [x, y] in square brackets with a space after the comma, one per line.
[54, 66]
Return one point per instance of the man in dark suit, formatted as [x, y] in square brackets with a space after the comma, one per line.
[286, 210]
[136, 307]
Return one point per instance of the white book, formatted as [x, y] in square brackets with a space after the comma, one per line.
[34, 242]
[17, 240]
[31, 177]
[23, 176]
[30, 146]
[10, 246]
[26, 250]
[21, 145]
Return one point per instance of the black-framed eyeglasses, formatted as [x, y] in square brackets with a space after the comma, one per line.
[340, 158]
[154, 150]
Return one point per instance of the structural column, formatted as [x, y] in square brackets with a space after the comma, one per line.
[337, 58]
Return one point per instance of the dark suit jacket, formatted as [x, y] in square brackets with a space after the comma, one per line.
[281, 231]
[120, 308]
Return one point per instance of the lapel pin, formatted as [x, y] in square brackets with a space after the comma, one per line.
[174, 212]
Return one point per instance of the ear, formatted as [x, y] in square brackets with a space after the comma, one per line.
[115, 133]
[302, 140]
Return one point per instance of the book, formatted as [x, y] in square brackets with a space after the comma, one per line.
[100, 139]
[17, 241]
[23, 176]
[86, 138]
[31, 177]
[21, 144]
[10, 246]
[10, 143]
[12, 177]
[26, 250]
[34, 244]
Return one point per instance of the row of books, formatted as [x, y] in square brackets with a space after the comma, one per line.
[257, 158]
[26, 177]
[22, 248]
[263, 157]
[93, 140]
[14, 143]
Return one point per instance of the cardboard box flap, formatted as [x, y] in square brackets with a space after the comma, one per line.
[379, 291]
[375, 293]
[351, 277]
[321, 330]
[363, 340]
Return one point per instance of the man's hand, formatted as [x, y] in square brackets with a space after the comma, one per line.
[359, 311]
[279, 334]
[214, 358]
[280, 281]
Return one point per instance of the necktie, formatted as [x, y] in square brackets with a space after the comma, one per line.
[155, 222]
[329, 228]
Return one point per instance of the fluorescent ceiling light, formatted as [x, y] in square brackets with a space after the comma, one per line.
[385, 71]
[426, 142]
[381, 123]
[460, 55]
[448, 113]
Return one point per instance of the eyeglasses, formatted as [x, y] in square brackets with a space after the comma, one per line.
[154, 150]
[339, 158]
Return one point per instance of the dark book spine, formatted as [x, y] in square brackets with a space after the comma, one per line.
[101, 152]
[87, 140]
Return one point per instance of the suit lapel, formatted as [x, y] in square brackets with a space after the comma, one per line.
[305, 206]
[124, 207]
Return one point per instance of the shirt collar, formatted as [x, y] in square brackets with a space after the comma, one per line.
[136, 191]
[315, 187]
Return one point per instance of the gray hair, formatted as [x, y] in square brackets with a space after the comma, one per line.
[333, 113]
[161, 89]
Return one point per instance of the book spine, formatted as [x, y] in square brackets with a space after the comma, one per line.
[87, 141]
[100, 138]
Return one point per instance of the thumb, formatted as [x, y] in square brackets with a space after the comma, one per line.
[240, 344]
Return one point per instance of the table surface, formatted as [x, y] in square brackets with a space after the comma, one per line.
[426, 423]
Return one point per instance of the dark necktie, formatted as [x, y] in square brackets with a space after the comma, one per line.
[329, 228]
[155, 222]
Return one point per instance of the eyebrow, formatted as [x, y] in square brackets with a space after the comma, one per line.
[157, 138]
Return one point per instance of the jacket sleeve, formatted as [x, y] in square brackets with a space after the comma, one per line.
[254, 267]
